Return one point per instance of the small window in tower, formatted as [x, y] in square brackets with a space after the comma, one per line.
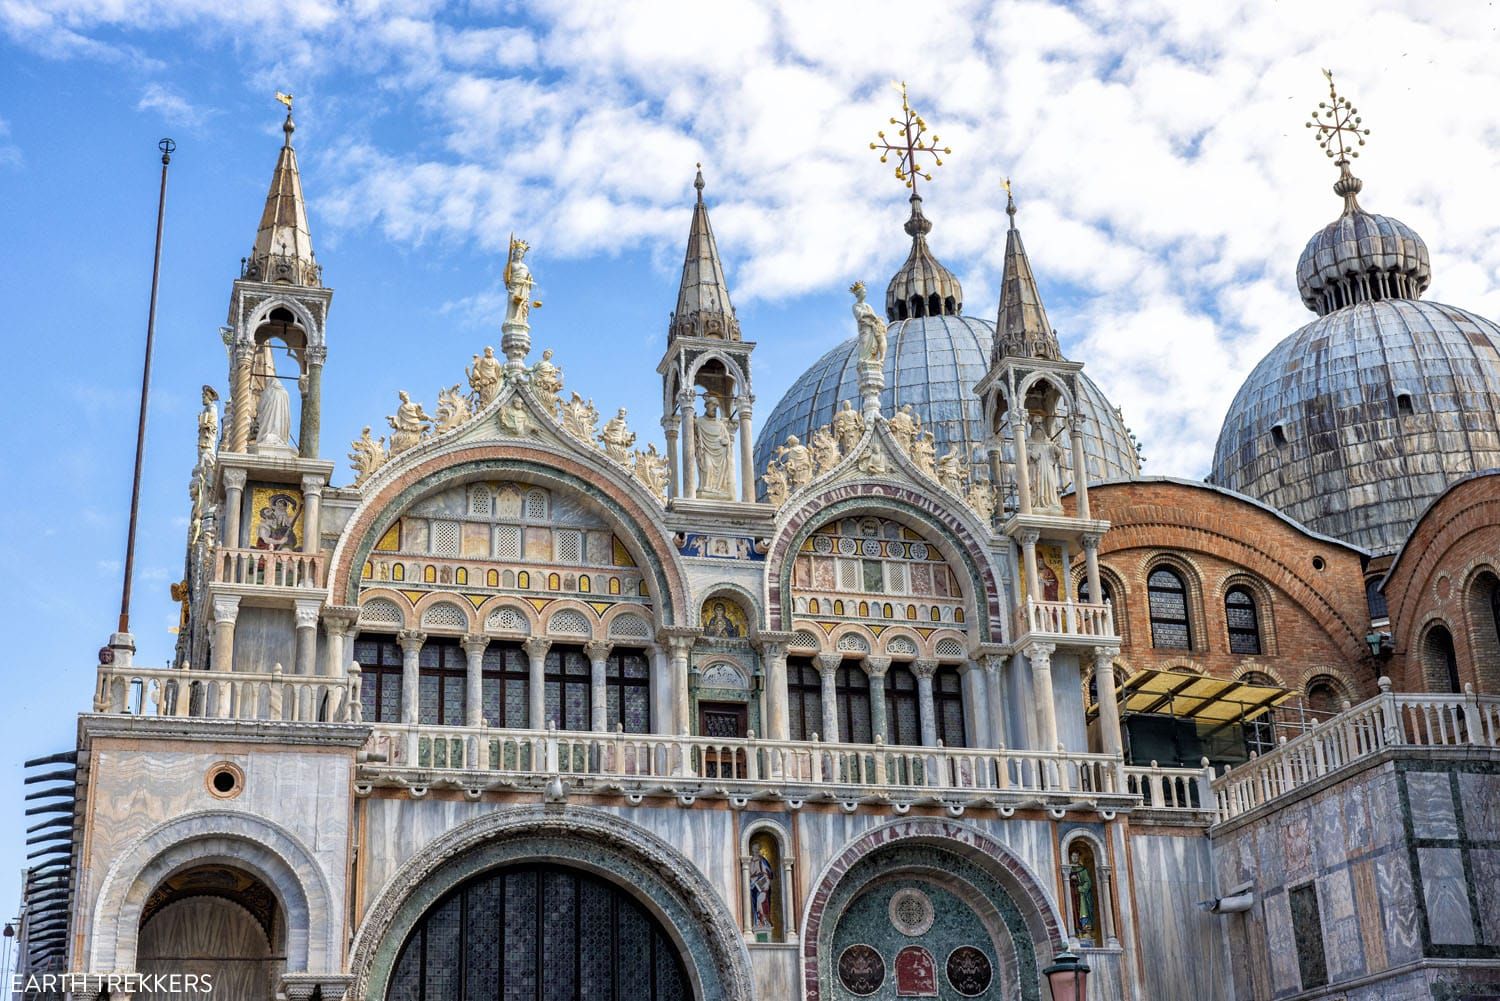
[1403, 405]
[1278, 435]
[282, 315]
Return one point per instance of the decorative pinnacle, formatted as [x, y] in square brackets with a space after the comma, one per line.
[910, 144]
[698, 182]
[288, 126]
[1010, 204]
[1335, 119]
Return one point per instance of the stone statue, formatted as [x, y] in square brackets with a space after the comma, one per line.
[825, 450]
[518, 283]
[208, 423]
[452, 409]
[1044, 459]
[923, 451]
[848, 427]
[982, 499]
[905, 425]
[797, 461]
[651, 469]
[367, 455]
[874, 464]
[579, 418]
[714, 446]
[776, 487]
[515, 419]
[410, 424]
[484, 377]
[950, 472]
[273, 418]
[871, 327]
[617, 438]
[547, 377]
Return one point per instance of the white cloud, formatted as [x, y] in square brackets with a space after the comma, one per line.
[174, 109]
[10, 153]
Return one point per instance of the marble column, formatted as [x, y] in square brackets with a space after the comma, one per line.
[1109, 709]
[411, 673]
[338, 626]
[536, 660]
[669, 427]
[994, 679]
[1080, 466]
[679, 650]
[242, 355]
[875, 670]
[474, 648]
[747, 447]
[312, 404]
[597, 652]
[306, 657]
[226, 610]
[1029, 539]
[926, 709]
[1105, 897]
[312, 514]
[234, 505]
[689, 401]
[1091, 568]
[1040, 656]
[828, 665]
[976, 705]
[778, 720]
[1023, 469]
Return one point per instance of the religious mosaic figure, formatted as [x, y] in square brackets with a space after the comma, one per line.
[617, 438]
[208, 422]
[719, 625]
[848, 426]
[825, 450]
[484, 377]
[1044, 458]
[366, 455]
[409, 424]
[715, 447]
[651, 469]
[547, 377]
[776, 485]
[452, 409]
[273, 417]
[905, 425]
[922, 452]
[1081, 890]
[796, 459]
[762, 878]
[579, 417]
[518, 282]
[950, 471]
[515, 419]
[871, 327]
[278, 520]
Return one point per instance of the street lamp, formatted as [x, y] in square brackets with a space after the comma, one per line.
[1068, 976]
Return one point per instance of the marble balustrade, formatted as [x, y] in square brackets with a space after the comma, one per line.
[268, 568]
[1069, 619]
[243, 695]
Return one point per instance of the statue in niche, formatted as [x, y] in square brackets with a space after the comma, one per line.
[950, 471]
[484, 377]
[1044, 457]
[515, 419]
[776, 485]
[367, 455]
[764, 888]
[409, 424]
[1083, 893]
[796, 459]
[923, 452]
[546, 377]
[617, 438]
[848, 426]
[981, 498]
[714, 444]
[208, 423]
[825, 450]
[871, 327]
[905, 425]
[580, 418]
[518, 283]
[651, 469]
[452, 409]
[273, 417]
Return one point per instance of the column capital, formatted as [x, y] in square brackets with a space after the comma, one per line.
[233, 478]
[340, 619]
[679, 640]
[829, 661]
[536, 647]
[313, 484]
[1106, 653]
[773, 645]
[1091, 541]
[475, 644]
[1029, 536]
[671, 424]
[924, 668]
[876, 666]
[597, 649]
[411, 640]
[307, 610]
[1040, 654]
[226, 607]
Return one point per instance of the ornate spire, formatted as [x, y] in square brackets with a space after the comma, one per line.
[1338, 134]
[703, 306]
[1021, 329]
[283, 244]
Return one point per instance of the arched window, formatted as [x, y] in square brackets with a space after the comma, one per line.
[506, 680]
[1167, 596]
[627, 691]
[1441, 659]
[379, 659]
[567, 688]
[903, 724]
[1323, 698]
[1104, 589]
[948, 704]
[852, 690]
[1375, 599]
[1243, 619]
[440, 692]
[804, 696]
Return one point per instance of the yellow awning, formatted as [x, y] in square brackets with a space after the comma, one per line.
[1197, 697]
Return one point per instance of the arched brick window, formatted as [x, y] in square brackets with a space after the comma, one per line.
[1167, 596]
[1441, 660]
[1243, 618]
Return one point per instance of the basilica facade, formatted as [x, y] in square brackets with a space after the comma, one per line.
[928, 692]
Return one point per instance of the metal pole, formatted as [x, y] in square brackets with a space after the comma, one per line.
[166, 146]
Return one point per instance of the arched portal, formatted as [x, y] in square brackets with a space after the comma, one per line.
[216, 922]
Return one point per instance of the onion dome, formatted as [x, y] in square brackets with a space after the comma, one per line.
[922, 286]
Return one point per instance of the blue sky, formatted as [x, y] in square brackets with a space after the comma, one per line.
[1165, 178]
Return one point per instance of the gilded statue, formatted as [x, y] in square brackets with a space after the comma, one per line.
[367, 455]
[208, 423]
[518, 283]
[452, 409]
[950, 472]
[905, 425]
[617, 438]
[848, 426]
[923, 453]
[871, 327]
[409, 424]
[1044, 462]
[484, 377]
[776, 486]
[825, 450]
[547, 377]
[651, 469]
[579, 418]
[797, 461]
[714, 445]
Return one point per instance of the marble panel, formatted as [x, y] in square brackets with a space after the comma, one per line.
[1367, 912]
[1480, 795]
[1386, 824]
[1296, 833]
[1270, 857]
[1485, 863]
[1358, 836]
[1327, 818]
[776, 969]
[1343, 946]
[1446, 894]
[1282, 945]
[1182, 947]
[1398, 906]
[1431, 797]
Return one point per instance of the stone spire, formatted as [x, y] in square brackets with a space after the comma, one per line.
[922, 286]
[283, 244]
[1021, 329]
[703, 306]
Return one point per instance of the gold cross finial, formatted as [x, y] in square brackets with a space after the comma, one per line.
[285, 99]
[1335, 119]
[909, 143]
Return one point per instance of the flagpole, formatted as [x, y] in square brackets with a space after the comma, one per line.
[122, 641]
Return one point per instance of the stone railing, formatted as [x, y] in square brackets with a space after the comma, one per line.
[417, 756]
[1066, 619]
[1163, 788]
[268, 568]
[240, 695]
[1386, 721]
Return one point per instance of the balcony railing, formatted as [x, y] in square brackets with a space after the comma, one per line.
[1162, 788]
[237, 695]
[1386, 721]
[1066, 620]
[268, 568]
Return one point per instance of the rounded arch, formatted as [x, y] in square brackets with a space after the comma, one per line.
[628, 622]
[311, 328]
[562, 606]
[526, 617]
[1439, 657]
[381, 609]
[1257, 674]
[622, 504]
[889, 636]
[261, 848]
[741, 596]
[953, 532]
[1325, 693]
[851, 638]
[731, 368]
[1059, 386]
[461, 609]
[1192, 585]
[660, 878]
[1264, 599]
[1481, 599]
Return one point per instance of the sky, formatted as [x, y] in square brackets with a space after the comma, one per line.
[1158, 153]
